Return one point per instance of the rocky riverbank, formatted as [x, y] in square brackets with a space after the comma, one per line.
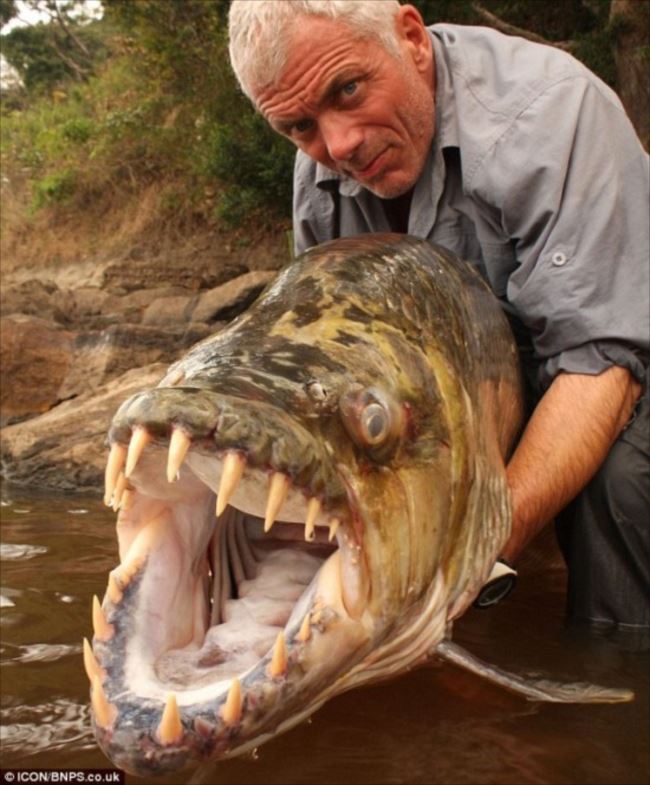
[76, 340]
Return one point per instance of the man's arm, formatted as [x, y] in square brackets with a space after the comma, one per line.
[565, 442]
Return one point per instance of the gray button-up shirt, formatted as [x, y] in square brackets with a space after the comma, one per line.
[536, 176]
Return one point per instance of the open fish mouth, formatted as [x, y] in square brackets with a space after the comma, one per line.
[242, 581]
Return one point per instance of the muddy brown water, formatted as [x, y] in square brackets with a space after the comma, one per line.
[434, 725]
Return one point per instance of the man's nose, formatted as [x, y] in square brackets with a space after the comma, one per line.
[341, 135]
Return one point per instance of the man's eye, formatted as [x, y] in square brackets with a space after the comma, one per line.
[302, 126]
[350, 88]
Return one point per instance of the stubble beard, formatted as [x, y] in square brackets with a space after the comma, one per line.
[419, 109]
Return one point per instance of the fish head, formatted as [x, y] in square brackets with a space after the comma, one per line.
[328, 427]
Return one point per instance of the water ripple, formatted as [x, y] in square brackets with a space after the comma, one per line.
[61, 724]
[43, 652]
[15, 552]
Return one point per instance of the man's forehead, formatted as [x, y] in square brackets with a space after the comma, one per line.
[316, 54]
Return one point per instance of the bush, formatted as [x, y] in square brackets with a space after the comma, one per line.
[254, 165]
[53, 189]
[77, 129]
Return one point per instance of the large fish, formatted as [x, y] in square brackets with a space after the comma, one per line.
[352, 427]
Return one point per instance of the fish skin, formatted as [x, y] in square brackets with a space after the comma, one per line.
[381, 321]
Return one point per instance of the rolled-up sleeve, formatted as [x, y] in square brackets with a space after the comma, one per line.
[573, 195]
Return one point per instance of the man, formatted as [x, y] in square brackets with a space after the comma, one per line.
[518, 158]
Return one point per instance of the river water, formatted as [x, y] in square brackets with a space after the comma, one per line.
[435, 725]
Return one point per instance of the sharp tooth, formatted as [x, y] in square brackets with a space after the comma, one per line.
[102, 629]
[232, 709]
[179, 444]
[114, 465]
[113, 590]
[139, 440]
[129, 568]
[334, 525]
[170, 730]
[354, 580]
[120, 487]
[233, 468]
[105, 712]
[278, 665]
[313, 510]
[90, 663]
[277, 494]
[304, 633]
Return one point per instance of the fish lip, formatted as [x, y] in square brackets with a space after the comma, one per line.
[268, 436]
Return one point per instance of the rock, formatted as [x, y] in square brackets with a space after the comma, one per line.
[64, 449]
[94, 309]
[104, 355]
[139, 299]
[43, 299]
[232, 298]
[36, 355]
[128, 275]
[166, 311]
[79, 338]
[88, 305]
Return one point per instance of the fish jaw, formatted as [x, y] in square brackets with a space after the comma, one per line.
[171, 606]
[335, 407]
[367, 606]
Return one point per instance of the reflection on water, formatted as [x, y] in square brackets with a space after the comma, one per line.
[15, 552]
[435, 725]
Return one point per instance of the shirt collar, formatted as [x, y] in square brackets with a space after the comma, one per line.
[446, 134]
[329, 180]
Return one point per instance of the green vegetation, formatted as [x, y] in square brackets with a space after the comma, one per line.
[143, 102]
[157, 102]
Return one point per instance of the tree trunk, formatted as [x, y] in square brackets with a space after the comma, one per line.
[630, 21]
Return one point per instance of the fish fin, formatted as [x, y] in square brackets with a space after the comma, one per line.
[532, 689]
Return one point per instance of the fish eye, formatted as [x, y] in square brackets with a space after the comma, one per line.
[373, 419]
[375, 423]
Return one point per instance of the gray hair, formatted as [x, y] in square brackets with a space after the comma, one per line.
[259, 32]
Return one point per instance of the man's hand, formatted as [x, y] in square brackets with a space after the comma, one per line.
[566, 440]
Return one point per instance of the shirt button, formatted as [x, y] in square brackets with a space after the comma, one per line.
[559, 259]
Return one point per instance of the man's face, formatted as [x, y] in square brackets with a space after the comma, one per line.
[353, 106]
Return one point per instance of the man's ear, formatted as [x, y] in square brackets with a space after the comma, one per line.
[413, 36]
